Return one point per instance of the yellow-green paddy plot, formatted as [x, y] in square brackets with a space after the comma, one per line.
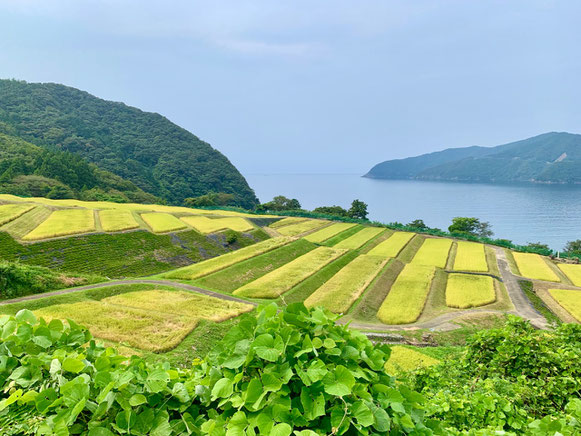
[162, 222]
[534, 267]
[358, 239]
[150, 320]
[218, 263]
[407, 359]
[62, 223]
[392, 245]
[302, 227]
[210, 225]
[286, 277]
[288, 221]
[470, 256]
[573, 272]
[328, 232]
[407, 296]
[569, 299]
[9, 212]
[345, 287]
[469, 290]
[114, 220]
[434, 251]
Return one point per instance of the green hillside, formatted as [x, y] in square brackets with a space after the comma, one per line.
[145, 148]
[548, 158]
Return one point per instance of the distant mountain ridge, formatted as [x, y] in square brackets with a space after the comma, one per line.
[146, 149]
[553, 157]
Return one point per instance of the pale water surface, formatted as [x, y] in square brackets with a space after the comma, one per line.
[522, 213]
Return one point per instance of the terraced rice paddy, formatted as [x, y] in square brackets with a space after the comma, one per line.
[345, 287]
[287, 222]
[468, 290]
[392, 245]
[407, 359]
[573, 272]
[160, 222]
[218, 263]
[328, 232]
[211, 225]
[407, 297]
[569, 299]
[434, 251]
[279, 281]
[302, 227]
[117, 220]
[470, 256]
[153, 320]
[360, 238]
[64, 222]
[533, 266]
[9, 212]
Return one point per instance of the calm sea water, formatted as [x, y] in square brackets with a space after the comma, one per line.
[523, 213]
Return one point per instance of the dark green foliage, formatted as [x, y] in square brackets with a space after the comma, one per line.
[144, 148]
[573, 247]
[358, 210]
[120, 255]
[211, 199]
[551, 157]
[538, 246]
[418, 224]
[331, 210]
[471, 226]
[280, 203]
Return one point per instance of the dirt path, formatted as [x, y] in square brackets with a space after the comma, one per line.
[129, 282]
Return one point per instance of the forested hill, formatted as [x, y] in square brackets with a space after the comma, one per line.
[547, 158]
[145, 148]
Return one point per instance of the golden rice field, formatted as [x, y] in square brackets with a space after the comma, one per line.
[392, 245]
[569, 299]
[210, 266]
[345, 287]
[9, 212]
[535, 267]
[407, 297]
[573, 272]
[434, 251]
[117, 220]
[287, 221]
[24, 224]
[470, 256]
[149, 320]
[210, 225]
[467, 290]
[64, 222]
[328, 232]
[162, 222]
[282, 279]
[407, 359]
[301, 227]
[360, 238]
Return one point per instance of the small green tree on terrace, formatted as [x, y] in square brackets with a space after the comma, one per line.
[472, 226]
[573, 247]
[358, 210]
[418, 224]
[332, 210]
[280, 203]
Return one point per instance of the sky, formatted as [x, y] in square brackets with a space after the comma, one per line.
[324, 86]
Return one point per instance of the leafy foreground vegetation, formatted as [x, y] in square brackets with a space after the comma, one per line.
[290, 372]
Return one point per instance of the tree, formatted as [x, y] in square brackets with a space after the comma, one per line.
[332, 210]
[418, 224]
[358, 210]
[538, 246]
[573, 247]
[472, 226]
[280, 203]
[211, 199]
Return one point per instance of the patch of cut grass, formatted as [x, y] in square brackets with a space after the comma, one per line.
[64, 222]
[211, 225]
[286, 277]
[241, 273]
[160, 222]
[9, 212]
[218, 263]
[533, 266]
[569, 299]
[468, 290]
[407, 297]
[287, 221]
[328, 232]
[24, 224]
[407, 359]
[434, 251]
[491, 260]
[117, 220]
[470, 256]
[345, 287]
[573, 272]
[392, 246]
[301, 227]
[360, 238]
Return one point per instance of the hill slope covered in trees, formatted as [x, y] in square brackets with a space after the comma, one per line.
[548, 158]
[144, 148]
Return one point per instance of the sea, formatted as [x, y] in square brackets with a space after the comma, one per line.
[522, 213]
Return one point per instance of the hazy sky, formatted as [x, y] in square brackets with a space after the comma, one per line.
[314, 86]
